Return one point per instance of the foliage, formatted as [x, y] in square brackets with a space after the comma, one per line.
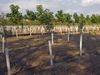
[47, 18]
[30, 15]
[14, 16]
[81, 18]
[87, 20]
[76, 18]
[60, 16]
[64, 18]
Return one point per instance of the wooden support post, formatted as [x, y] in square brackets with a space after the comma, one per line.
[7, 61]
[50, 51]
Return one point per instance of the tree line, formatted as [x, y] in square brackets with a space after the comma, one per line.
[46, 17]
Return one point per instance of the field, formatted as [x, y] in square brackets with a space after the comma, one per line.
[29, 55]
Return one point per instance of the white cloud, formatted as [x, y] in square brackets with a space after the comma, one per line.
[54, 5]
[23, 4]
[90, 2]
[31, 4]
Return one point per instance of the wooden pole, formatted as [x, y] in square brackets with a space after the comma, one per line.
[50, 51]
[7, 62]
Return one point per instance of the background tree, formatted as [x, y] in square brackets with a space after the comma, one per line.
[15, 16]
[76, 18]
[82, 18]
[98, 19]
[93, 18]
[0, 19]
[30, 15]
[39, 12]
[67, 18]
[87, 20]
[60, 16]
[3, 24]
[45, 17]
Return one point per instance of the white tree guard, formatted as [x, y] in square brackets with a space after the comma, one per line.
[50, 52]
[7, 62]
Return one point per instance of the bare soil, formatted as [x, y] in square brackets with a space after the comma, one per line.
[29, 55]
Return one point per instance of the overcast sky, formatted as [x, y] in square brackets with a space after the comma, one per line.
[79, 6]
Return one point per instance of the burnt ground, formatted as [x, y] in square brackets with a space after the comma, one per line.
[29, 55]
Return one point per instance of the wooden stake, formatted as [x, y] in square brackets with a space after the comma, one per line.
[50, 51]
[7, 62]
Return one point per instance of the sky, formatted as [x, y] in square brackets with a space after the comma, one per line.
[70, 6]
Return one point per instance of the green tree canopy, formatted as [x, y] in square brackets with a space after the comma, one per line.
[30, 15]
[68, 18]
[87, 20]
[60, 16]
[76, 18]
[45, 16]
[15, 16]
[82, 18]
[93, 18]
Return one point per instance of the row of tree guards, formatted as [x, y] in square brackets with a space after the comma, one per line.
[13, 30]
[50, 43]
